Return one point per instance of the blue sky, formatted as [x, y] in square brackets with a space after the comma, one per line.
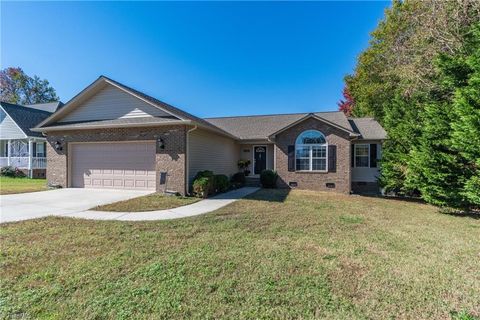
[210, 58]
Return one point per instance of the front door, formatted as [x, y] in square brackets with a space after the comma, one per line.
[260, 159]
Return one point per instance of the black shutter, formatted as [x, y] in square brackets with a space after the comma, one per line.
[332, 158]
[291, 158]
[352, 151]
[373, 155]
[6, 151]
[44, 149]
[34, 145]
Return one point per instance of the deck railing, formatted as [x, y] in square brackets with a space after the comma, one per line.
[23, 162]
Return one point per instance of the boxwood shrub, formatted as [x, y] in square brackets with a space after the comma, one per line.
[268, 178]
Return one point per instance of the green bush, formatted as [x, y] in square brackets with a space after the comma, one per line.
[203, 174]
[202, 187]
[268, 178]
[9, 171]
[221, 183]
[238, 178]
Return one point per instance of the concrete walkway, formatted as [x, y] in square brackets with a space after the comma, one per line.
[194, 209]
[77, 202]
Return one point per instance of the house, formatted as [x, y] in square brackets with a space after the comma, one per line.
[113, 136]
[21, 147]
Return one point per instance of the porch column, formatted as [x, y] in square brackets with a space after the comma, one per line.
[30, 154]
[9, 151]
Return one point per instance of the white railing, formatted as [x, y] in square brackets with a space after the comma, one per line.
[23, 162]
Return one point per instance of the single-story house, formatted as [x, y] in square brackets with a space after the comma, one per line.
[113, 136]
[21, 147]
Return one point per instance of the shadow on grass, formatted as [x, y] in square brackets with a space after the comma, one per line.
[474, 214]
[270, 195]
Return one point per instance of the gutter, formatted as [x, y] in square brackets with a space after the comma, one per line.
[106, 126]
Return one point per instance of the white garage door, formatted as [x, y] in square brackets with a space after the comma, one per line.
[125, 165]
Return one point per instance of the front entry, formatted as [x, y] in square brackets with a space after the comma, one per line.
[260, 159]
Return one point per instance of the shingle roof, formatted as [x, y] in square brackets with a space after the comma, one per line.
[260, 127]
[49, 106]
[25, 118]
[368, 128]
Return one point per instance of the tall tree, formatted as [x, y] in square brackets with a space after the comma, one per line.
[445, 164]
[17, 87]
[346, 104]
[396, 76]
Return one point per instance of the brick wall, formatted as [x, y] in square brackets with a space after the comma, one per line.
[314, 180]
[171, 159]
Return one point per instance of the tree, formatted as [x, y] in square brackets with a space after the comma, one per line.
[444, 166]
[396, 77]
[346, 104]
[17, 87]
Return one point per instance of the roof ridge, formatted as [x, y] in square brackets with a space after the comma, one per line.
[272, 114]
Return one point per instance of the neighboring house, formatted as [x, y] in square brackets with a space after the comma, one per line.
[19, 146]
[112, 136]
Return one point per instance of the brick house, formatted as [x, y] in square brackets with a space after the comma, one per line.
[112, 136]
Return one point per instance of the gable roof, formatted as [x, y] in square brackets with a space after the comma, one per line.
[49, 106]
[186, 117]
[368, 128]
[262, 126]
[258, 127]
[25, 117]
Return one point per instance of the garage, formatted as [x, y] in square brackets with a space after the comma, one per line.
[113, 165]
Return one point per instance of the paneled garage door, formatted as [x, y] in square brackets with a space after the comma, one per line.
[123, 165]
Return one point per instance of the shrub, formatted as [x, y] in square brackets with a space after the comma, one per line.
[202, 187]
[268, 178]
[221, 183]
[203, 174]
[9, 171]
[238, 178]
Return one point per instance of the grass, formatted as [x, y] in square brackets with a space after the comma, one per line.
[21, 185]
[150, 202]
[273, 255]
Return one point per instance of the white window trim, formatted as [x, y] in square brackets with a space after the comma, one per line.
[355, 154]
[310, 156]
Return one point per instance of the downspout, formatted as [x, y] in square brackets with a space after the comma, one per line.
[187, 162]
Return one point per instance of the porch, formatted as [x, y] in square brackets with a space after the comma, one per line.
[25, 154]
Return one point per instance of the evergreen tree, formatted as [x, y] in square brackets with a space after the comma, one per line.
[444, 165]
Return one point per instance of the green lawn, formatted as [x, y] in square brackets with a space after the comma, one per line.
[21, 185]
[302, 255]
[150, 202]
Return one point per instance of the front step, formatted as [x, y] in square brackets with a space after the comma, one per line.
[252, 182]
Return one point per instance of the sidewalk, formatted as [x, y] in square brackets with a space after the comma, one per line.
[194, 209]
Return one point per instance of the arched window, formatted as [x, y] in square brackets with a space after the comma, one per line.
[311, 151]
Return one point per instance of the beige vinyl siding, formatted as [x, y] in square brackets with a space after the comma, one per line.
[8, 128]
[210, 151]
[112, 103]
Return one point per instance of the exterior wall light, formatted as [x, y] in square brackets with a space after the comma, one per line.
[58, 146]
[161, 144]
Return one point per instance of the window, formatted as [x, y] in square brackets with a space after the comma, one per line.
[311, 151]
[362, 155]
[40, 150]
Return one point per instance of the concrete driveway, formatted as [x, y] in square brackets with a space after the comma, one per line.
[23, 206]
